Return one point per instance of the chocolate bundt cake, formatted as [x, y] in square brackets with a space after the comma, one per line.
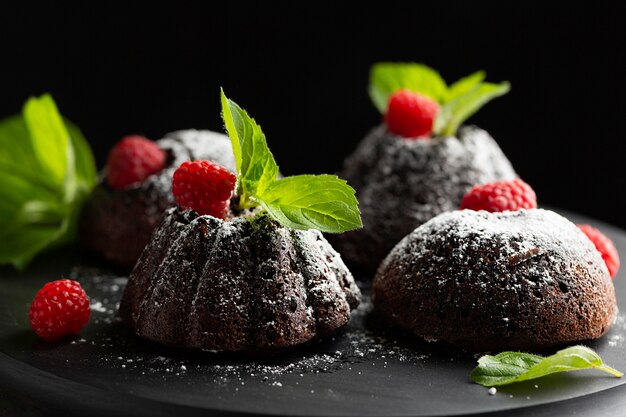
[402, 183]
[522, 280]
[248, 284]
[118, 223]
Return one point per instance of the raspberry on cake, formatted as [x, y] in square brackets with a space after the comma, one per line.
[132, 160]
[204, 186]
[60, 308]
[500, 196]
[410, 114]
[259, 280]
[117, 223]
[403, 183]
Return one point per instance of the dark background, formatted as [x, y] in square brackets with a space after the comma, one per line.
[302, 73]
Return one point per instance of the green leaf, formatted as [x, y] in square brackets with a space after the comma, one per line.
[465, 85]
[46, 172]
[388, 77]
[322, 202]
[255, 163]
[233, 126]
[19, 247]
[509, 367]
[19, 156]
[31, 218]
[48, 136]
[85, 163]
[458, 102]
[459, 109]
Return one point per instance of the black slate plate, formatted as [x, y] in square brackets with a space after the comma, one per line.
[365, 370]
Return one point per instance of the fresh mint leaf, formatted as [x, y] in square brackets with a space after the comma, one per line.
[459, 109]
[256, 166]
[509, 367]
[19, 247]
[31, 218]
[234, 127]
[48, 136]
[388, 77]
[465, 85]
[85, 163]
[19, 156]
[46, 171]
[322, 202]
[458, 101]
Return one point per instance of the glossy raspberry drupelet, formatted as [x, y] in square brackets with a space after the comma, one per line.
[410, 114]
[60, 308]
[132, 160]
[204, 186]
[605, 246]
[500, 196]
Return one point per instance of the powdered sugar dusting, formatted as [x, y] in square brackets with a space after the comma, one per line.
[360, 343]
[244, 284]
[515, 237]
[403, 183]
[498, 274]
[186, 145]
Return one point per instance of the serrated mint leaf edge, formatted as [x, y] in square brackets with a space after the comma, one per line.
[344, 217]
[256, 166]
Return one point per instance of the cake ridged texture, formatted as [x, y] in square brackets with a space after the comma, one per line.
[239, 285]
[403, 183]
[118, 223]
[523, 280]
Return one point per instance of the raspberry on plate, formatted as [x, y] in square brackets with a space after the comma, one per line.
[410, 114]
[60, 308]
[500, 196]
[204, 186]
[605, 246]
[132, 160]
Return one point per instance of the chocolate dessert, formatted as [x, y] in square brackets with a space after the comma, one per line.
[239, 285]
[420, 161]
[403, 183]
[241, 264]
[515, 280]
[117, 224]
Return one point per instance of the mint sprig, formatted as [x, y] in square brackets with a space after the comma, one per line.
[255, 163]
[388, 77]
[46, 171]
[509, 367]
[458, 101]
[322, 202]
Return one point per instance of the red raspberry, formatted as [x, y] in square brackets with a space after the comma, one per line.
[132, 160]
[411, 115]
[604, 245]
[500, 196]
[204, 186]
[59, 309]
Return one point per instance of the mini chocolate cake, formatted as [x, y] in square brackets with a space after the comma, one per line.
[248, 284]
[118, 223]
[402, 183]
[522, 280]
